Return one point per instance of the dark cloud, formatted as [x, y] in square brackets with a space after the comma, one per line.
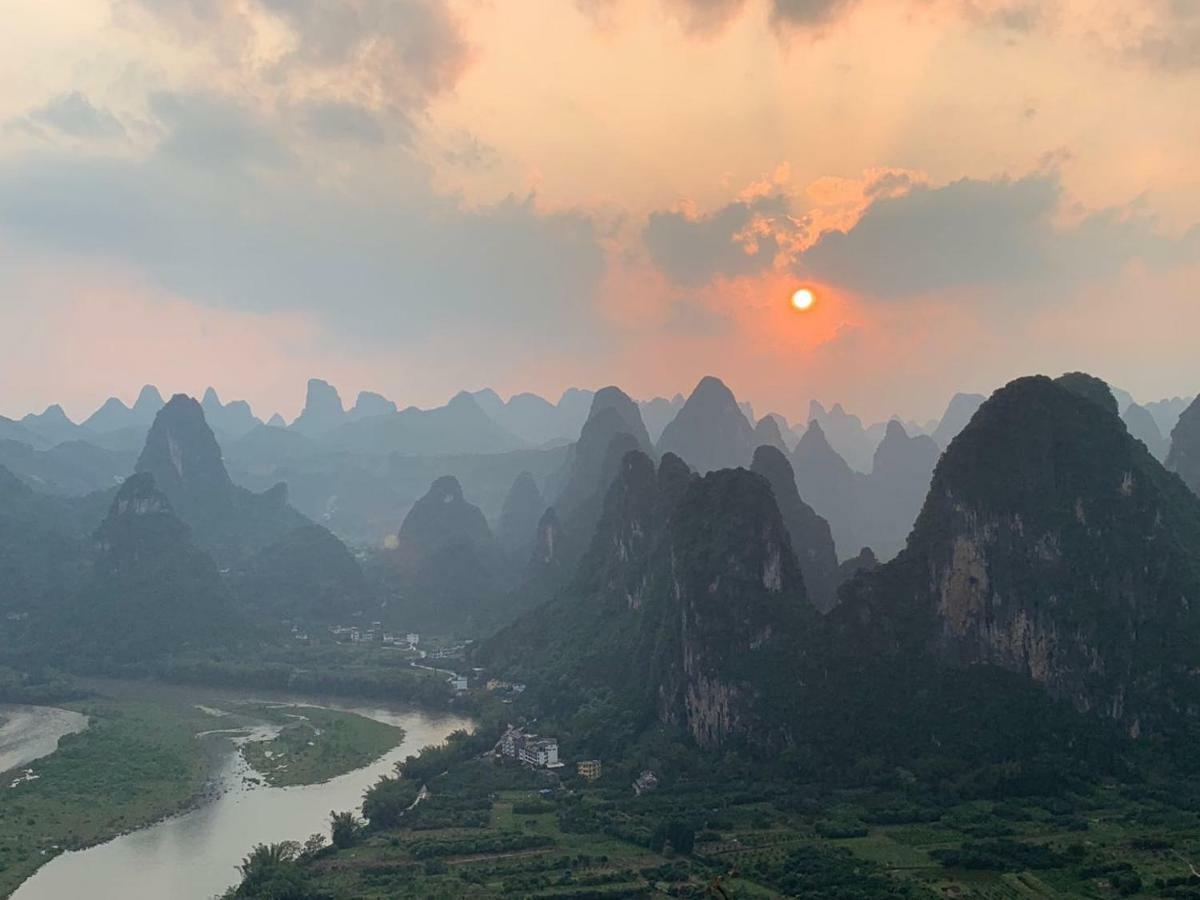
[70, 114]
[339, 121]
[693, 251]
[808, 13]
[981, 234]
[213, 131]
[705, 16]
[709, 16]
[406, 51]
[375, 261]
[415, 45]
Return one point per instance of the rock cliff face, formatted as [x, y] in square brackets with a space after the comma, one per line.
[687, 606]
[151, 588]
[737, 600]
[1184, 458]
[183, 457]
[711, 431]
[1054, 545]
[812, 541]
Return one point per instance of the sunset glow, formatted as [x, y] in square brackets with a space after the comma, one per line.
[446, 216]
[803, 299]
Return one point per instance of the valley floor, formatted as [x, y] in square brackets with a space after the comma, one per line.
[496, 830]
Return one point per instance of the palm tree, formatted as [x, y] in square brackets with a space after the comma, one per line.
[265, 857]
[343, 828]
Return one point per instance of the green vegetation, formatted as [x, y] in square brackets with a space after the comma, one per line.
[317, 744]
[727, 825]
[137, 762]
[351, 670]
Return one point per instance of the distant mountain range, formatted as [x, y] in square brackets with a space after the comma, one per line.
[1054, 561]
[357, 470]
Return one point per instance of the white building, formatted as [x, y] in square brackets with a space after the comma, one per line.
[541, 753]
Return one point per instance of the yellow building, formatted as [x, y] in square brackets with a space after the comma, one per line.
[589, 769]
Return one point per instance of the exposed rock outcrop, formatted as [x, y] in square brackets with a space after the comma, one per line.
[1054, 545]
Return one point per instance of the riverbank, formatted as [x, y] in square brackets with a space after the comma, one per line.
[314, 744]
[133, 765]
[193, 856]
[28, 733]
[141, 761]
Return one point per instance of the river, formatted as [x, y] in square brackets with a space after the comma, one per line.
[31, 732]
[194, 856]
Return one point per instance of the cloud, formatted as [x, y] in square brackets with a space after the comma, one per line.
[340, 121]
[705, 17]
[213, 131]
[734, 240]
[374, 259]
[808, 13]
[72, 115]
[973, 234]
[1171, 42]
[400, 53]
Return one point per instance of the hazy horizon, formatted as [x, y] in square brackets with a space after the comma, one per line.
[796, 416]
[419, 197]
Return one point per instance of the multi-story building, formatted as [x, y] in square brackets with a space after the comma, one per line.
[540, 753]
[588, 768]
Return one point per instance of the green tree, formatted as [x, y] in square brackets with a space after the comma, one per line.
[343, 828]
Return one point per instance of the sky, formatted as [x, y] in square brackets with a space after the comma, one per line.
[422, 196]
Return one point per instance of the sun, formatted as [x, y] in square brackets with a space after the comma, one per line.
[803, 299]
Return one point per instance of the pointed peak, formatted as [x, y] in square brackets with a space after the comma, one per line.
[895, 431]
[113, 404]
[710, 383]
[149, 399]
[211, 400]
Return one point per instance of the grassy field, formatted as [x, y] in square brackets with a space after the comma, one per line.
[141, 759]
[316, 744]
[136, 763]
